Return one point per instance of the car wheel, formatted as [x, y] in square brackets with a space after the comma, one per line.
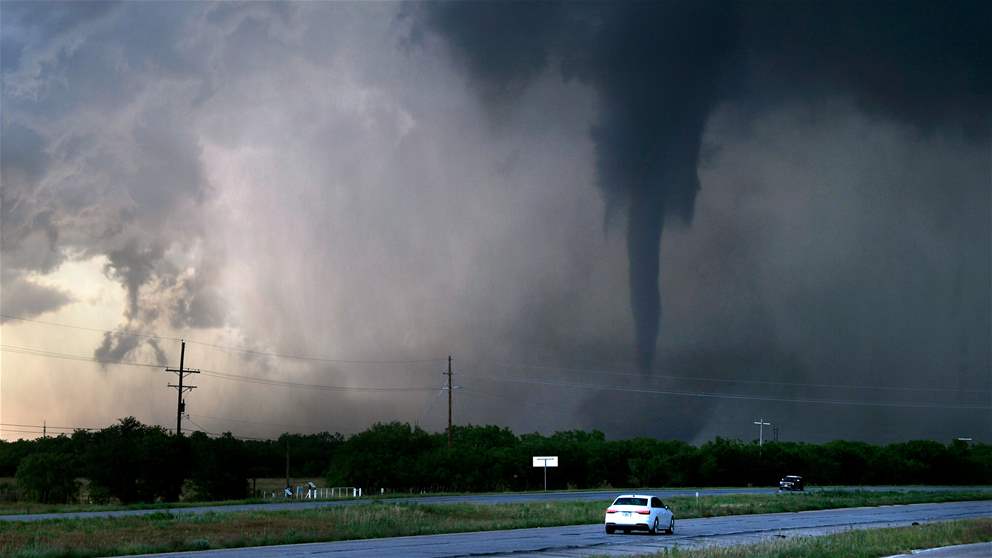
[671, 526]
[610, 529]
[654, 527]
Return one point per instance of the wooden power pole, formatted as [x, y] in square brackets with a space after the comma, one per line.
[180, 388]
[449, 400]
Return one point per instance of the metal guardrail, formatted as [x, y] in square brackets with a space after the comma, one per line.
[310, 491]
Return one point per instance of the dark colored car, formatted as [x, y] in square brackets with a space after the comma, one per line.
[791, 482]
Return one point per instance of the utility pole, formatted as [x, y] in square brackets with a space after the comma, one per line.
[287, 462]
[180, 388]
[761, 430]
[449, 401]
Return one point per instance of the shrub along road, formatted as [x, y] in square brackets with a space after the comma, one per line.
[499, 498]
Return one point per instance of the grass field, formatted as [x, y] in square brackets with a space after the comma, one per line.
[163, 532]
[263, 486]
[266, 486]
[871, 543]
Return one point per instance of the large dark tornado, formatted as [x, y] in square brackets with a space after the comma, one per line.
[660, 69]
[657, 69]
[643, 239]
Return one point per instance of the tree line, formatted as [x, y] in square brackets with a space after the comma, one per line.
[132, 462]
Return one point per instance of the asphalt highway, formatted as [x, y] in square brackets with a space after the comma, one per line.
[591, 540]
[501, 498]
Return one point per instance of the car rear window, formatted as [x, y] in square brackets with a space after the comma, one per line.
[631, 502]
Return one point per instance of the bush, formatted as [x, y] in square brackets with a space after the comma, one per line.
[133, 462]
[8, 491]
[219, 468]
[48, 478]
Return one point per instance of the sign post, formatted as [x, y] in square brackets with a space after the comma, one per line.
[546, 461]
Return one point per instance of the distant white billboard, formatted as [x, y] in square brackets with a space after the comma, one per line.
[546, 461]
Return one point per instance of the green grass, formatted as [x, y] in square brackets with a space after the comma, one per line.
[164, 532]
[869, 543]
[18, 508]
[266, 484]
[738, 504]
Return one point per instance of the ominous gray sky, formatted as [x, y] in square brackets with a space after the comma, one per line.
[668, 219]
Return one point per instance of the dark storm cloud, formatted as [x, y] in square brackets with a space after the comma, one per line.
[21, 297]
[503, 46]
[133, 266]
[923, 62]
[25, 221]
[300, 180]
[118, 345]
[98, 156]
[660, 69]
[199, 302]
[160, 357]
[30, 233]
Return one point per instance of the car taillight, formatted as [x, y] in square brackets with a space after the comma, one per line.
[611, 510]
[644, 512]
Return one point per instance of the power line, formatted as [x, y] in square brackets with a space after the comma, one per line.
[601, 371]
[40, 428]
[64, 356]
[428, 405]
[121, 332]
[653, 374]
[49, 427]
[543, 407]
[228, 348]
[218, 435]
[268, 381]
[254, 352]
[6, 430]
[319, 387]
[574, 385]
[600, 387]
[212, 373]
[201, 428]
[277, 424]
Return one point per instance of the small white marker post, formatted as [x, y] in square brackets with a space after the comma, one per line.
[546, 461]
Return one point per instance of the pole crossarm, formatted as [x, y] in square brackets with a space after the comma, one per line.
[184, 388]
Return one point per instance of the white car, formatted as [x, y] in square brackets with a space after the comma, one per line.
[639, 511]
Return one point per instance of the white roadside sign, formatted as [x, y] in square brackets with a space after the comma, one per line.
[546, 461]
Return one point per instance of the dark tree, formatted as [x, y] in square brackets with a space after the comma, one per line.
[48, 478]
[219, 468]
